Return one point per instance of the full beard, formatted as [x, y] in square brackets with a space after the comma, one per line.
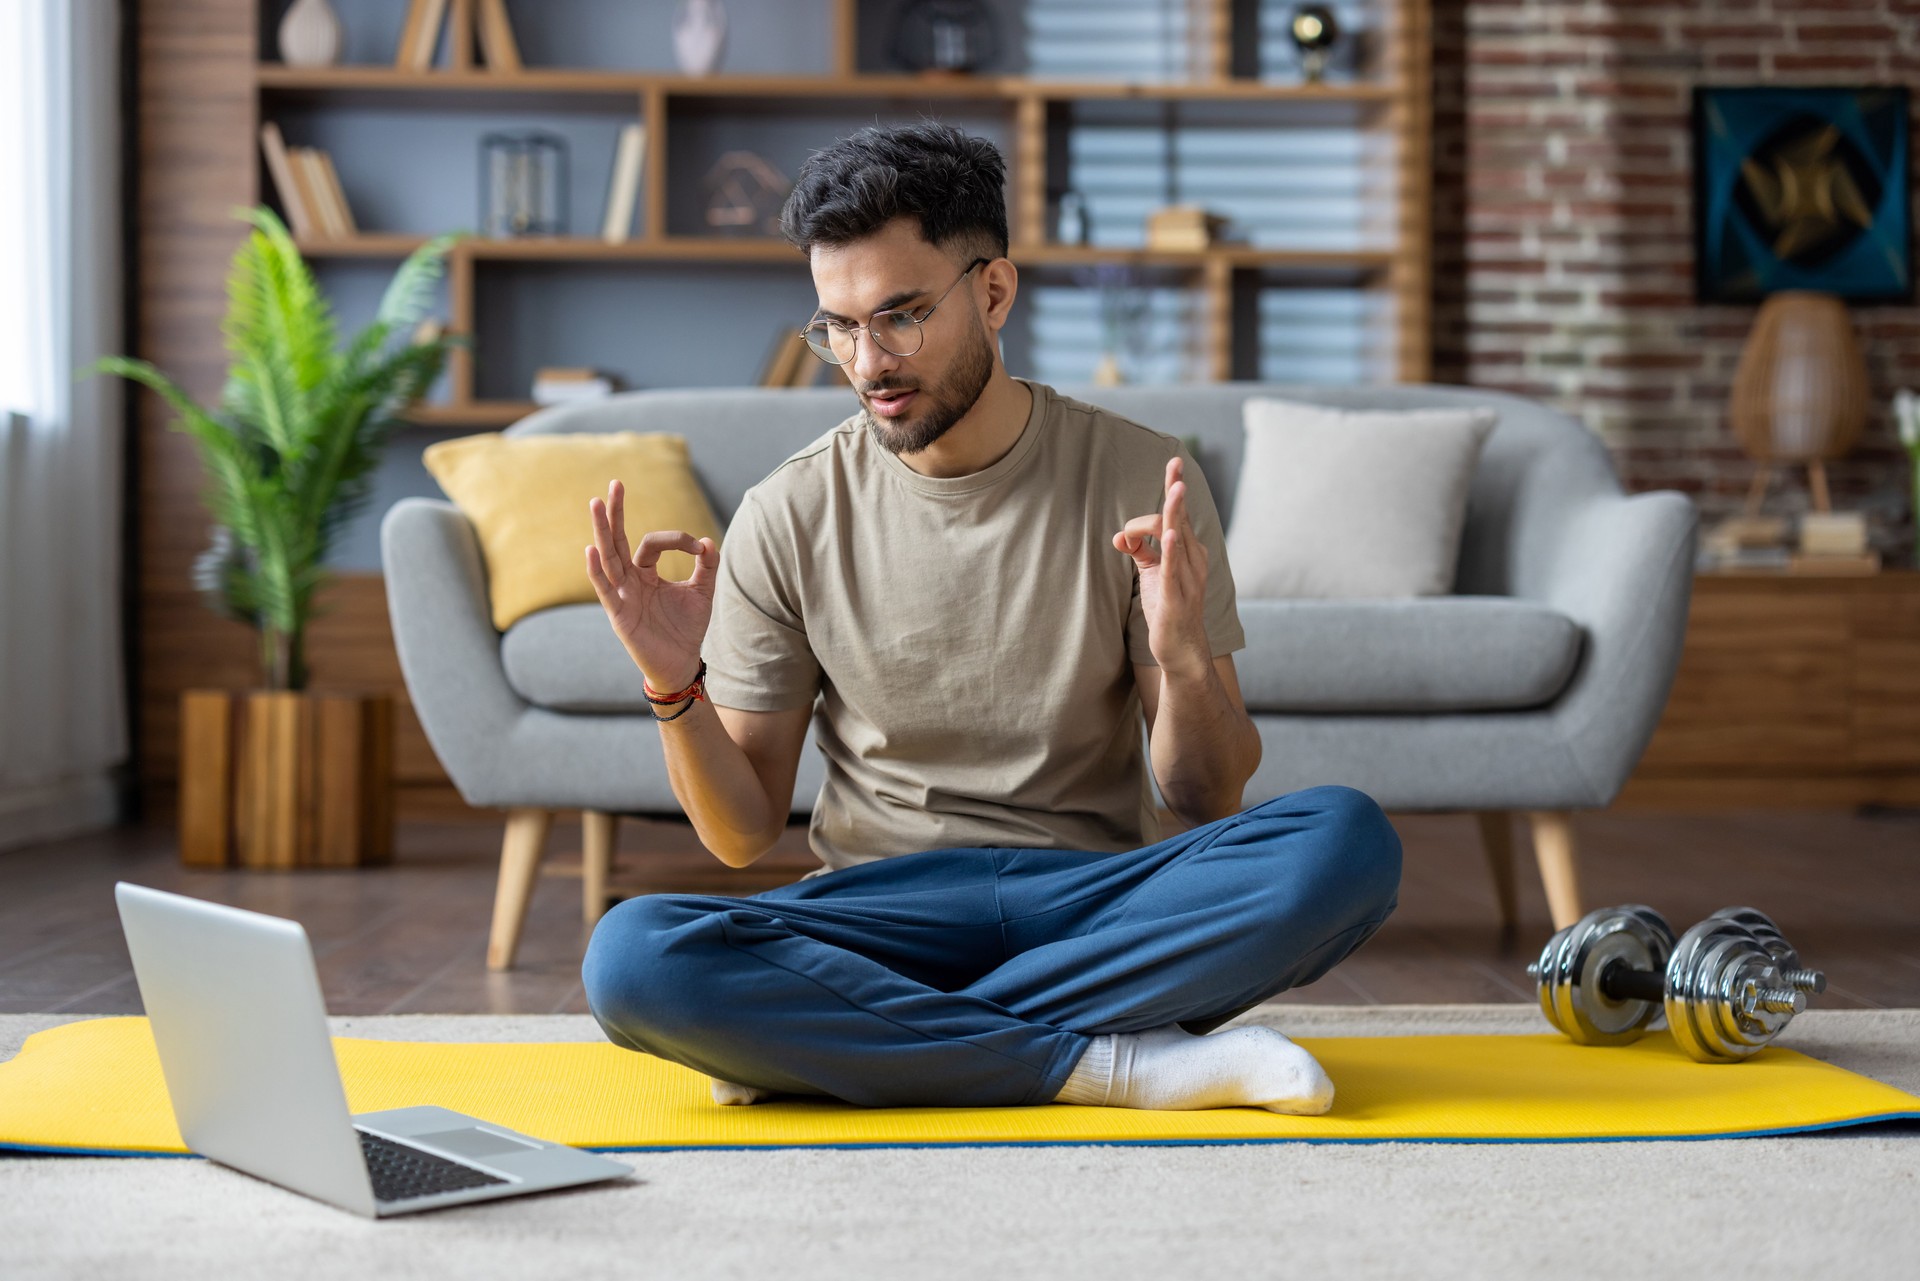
[946, 404]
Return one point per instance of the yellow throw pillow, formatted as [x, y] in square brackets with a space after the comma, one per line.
[527, 498]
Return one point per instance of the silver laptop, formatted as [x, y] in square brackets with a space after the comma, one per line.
[241, 1027]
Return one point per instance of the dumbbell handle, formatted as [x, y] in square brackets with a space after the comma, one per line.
[1621, 982]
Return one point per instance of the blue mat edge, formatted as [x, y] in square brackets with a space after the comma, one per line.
[41, 1150]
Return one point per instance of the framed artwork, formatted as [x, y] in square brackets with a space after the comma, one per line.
[1801, 188]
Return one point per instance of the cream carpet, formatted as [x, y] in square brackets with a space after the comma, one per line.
[1834, 1205]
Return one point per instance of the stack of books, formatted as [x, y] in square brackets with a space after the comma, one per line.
[1834, 543]
[1828, 543]
[555, 385]
[309, 188]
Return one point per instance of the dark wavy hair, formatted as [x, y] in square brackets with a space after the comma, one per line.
[952, 182]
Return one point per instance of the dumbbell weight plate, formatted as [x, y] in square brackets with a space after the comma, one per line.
[1761, 926]
[1764, 929]
[1717, 967]
[1571, 995]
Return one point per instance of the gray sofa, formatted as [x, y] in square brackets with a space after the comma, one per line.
[1534, 688]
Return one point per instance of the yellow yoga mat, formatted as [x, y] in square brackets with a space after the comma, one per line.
[96, 1087]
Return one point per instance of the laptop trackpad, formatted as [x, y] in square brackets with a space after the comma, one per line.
[473, 1142]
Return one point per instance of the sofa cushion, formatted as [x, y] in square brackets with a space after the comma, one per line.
[1433, 654]
[568, 659]
[1430, 654]
[527, 498]
[1352, 504]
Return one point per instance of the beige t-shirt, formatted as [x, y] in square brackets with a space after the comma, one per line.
[969, 638]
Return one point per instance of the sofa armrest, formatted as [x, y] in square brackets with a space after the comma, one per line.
[449, 651]
[1623, 570]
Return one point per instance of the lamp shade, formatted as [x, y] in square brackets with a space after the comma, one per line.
[1800, 392]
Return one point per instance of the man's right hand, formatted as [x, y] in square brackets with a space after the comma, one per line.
[661, 623]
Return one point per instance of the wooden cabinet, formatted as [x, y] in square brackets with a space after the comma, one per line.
[1792, 691]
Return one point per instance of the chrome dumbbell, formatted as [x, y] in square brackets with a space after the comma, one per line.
[1727, 986]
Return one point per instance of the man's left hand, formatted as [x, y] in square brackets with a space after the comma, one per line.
[1173, 580]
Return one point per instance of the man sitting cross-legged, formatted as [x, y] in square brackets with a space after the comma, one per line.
[961, 577]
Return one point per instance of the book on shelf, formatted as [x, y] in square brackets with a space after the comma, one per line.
[783, 361]
[1784, 560]
[807, 372]
[1867, 562]
[420, 35]
[497, 45]
[306, 180]
[320, 187]
[336, 195]
[790, 363]
[280, 167]
[465, 21]
[1183, 227]
[460, 27]
[1724, 559]
[623, 188]
[1833, 534]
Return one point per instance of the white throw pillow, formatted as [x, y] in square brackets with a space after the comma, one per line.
[1352, 503]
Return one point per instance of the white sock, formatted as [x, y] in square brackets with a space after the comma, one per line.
[1169, 1069]
[727, 1094]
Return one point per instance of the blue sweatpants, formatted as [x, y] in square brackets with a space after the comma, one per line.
[977, 976]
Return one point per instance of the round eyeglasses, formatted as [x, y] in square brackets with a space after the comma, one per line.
[896, 331]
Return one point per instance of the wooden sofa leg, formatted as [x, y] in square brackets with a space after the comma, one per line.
[520, 851]
[1496, 838]
[1553, 849]
[598, 833]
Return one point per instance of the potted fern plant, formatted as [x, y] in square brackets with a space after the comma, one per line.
[278, 776]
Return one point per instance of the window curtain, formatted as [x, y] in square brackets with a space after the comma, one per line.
[63, 718]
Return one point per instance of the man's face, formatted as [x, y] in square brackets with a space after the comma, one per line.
[907, 402]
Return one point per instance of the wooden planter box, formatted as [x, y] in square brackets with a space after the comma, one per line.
[282, 779]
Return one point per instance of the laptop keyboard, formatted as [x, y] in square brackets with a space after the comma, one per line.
[401, 1173]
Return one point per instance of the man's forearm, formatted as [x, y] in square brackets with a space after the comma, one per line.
[716, 785]
[1204, 748]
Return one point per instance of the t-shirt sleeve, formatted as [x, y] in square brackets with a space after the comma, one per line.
[1224, 634]
[756, 649]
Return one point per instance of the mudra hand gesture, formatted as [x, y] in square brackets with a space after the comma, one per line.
[1173, 580]
[661, 623]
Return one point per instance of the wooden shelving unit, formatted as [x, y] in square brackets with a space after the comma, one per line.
[435, 86]
[1394, 99]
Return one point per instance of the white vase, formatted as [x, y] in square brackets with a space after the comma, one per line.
[310, 35]
[699, 36]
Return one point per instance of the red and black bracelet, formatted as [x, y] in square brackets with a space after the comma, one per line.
[692, 694]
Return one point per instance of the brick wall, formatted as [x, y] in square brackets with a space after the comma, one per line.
[1563, 193]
